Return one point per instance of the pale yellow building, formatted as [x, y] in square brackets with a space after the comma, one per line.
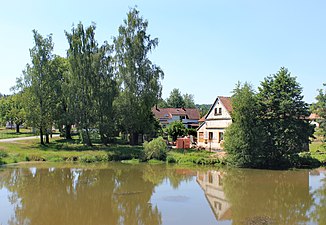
[210, 134]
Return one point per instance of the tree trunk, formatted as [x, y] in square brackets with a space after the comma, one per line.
[134, 138]
[68, 131]
[41, 136]
[104, 140]
[88, 139]
[47, 138]
[17, 128]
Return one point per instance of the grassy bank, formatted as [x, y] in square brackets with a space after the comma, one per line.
[60, 150]
[318, 151]
[11, 133]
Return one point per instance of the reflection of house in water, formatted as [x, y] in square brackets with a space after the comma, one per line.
[212, 184]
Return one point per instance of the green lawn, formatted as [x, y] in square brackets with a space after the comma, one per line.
[63, 150]
[318, 151]
[60, 150]
[11, 133]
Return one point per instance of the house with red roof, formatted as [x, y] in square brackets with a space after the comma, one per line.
[210, 133]
[188, 116]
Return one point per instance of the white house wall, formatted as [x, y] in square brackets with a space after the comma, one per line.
[216, 124]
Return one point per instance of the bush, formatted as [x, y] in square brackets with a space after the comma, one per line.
[170, 159]
[155, 149]
[89, 158]
[3, 154]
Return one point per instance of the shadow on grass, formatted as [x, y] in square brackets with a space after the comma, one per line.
[114, 152]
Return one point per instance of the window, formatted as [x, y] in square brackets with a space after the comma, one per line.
[210, 135]
[217, 111]
[218, 205]
[201, 137]
[220, 182]
[220, 136]
[210, 178]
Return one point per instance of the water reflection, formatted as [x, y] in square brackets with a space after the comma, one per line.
[262, 197]
[319, 209]
[124, 194]
[212, 184]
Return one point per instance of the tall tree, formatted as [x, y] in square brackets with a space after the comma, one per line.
[106, 91]
[189, 101]
[283, 113]
[82, 46]
[320, 109]
[243, 137]
[37, 83]
[139, 77]
[63, 112]
[175, 100]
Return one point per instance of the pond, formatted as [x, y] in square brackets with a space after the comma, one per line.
[117, 193]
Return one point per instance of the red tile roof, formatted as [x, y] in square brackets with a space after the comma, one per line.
[226, 101]
[202, 119]
[167, 113]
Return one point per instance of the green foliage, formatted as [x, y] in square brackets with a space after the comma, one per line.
[304, 160]
[177, 100]
[12, 110]
[270, 127]
[192, 157]
[203, 108]
[176, 129]
[155, 149]
[320, 109]
[283, 114]
[162, 103]
[91, 158]
[243, 137]
[138, 76]
[189, 101]
[38, 85]
[64, 111]
[192, 131]
[82, 47]
[3, 154]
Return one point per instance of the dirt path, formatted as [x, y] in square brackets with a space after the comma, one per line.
[23, 138]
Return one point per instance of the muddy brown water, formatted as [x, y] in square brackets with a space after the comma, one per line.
[117, 193]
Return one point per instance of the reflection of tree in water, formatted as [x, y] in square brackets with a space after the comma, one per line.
[157, 174]
[319, 213]
[268, 197]
[119, 194]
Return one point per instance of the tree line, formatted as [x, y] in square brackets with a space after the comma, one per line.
[270, 127]
[106, 88]
[177, 100]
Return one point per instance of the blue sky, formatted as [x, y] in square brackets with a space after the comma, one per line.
[205, 47]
